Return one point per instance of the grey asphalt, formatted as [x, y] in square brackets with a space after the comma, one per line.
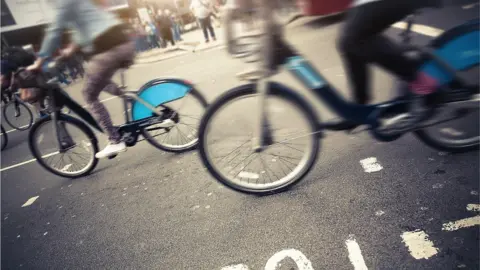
[148, 209]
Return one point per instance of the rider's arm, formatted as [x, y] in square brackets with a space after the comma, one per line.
[54, 33]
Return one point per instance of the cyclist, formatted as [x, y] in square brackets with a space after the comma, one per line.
[103, 37]
[361, 42]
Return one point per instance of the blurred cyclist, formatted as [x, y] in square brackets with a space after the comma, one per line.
[361, 42]
[103, 37]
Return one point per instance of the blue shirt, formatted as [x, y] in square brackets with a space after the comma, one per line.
[86, 19]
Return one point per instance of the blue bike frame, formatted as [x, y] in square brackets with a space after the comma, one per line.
[458, 51]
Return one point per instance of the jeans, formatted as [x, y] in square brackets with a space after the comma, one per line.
[100, 70]
[176, 32]
[206, 23]
[362, 42]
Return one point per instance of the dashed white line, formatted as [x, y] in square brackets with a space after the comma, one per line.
[236, 267]
[371, 165]
[355, 254]
[462, 223]
[473, 207]
[26, 162]
[469, 6]
[421, 29]
[418, 244]
[30, 201]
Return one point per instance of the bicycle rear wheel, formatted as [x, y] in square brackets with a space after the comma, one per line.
[18, 115]
[186, 114]
[79, 157]
[228, 154]
[454, 135]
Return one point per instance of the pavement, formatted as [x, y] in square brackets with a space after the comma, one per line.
[365, 205]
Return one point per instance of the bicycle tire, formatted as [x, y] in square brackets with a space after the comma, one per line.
[73, 121]
[423, 134]
[196, 94]
[21, 104]
[276, 90]
[5, 138]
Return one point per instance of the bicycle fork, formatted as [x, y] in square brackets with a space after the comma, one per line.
[261, 134]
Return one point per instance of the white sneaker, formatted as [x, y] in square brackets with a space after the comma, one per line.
[112, 149]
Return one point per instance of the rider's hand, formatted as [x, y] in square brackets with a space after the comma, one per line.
[70, 50]
[36, 66]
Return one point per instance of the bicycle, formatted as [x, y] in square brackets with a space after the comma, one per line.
[147, 112]
[448, 57]
[4, 137]
[16, 112]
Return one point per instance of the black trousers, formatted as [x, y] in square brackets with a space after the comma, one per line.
[362, 42]
[206, 24]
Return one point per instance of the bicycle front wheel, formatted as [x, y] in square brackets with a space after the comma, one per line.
[18, 115]
[80, 145]
[226, 134]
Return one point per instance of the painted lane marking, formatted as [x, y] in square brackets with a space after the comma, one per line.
[236, 267]
[469, 6]
[462, 223]
[26, 162]
[371, 165]
[64, 169]
[30, 201]
[355, 254]
[451, 131]
[248, 175]
[473, 207]
[418, 244]
[421, 29]
[300, 260]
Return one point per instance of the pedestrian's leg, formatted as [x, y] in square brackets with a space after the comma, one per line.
[203, 24]
[210, 28]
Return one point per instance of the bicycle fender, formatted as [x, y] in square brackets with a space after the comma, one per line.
[157, 92]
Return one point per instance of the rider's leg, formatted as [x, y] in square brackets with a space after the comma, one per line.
[361, 42]
[99, 73]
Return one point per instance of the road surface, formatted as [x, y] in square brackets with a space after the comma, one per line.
[148, 209]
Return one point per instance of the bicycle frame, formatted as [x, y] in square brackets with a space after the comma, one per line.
[278, 52]
[130, 128]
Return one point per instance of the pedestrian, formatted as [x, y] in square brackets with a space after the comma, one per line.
[203, 12]
[152, 36]
[176, 27]
[164, 25]
[140, 37]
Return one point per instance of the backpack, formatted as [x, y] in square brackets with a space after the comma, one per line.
[16, 57]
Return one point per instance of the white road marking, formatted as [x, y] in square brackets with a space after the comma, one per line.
[469, 6]
[26, 162]
[474, 193]
[437, 185]
[371, 165]
[30, 201]
[379, 213]
[64, 169]
[248, 175]
[355, 254]
[421, 29]
[473, 207]
[300, 260]
[418, 244]
[451, 131]
[236, 267]
[462, 223]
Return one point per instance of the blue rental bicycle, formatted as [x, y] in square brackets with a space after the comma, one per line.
[165, 112]
[280, 147]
